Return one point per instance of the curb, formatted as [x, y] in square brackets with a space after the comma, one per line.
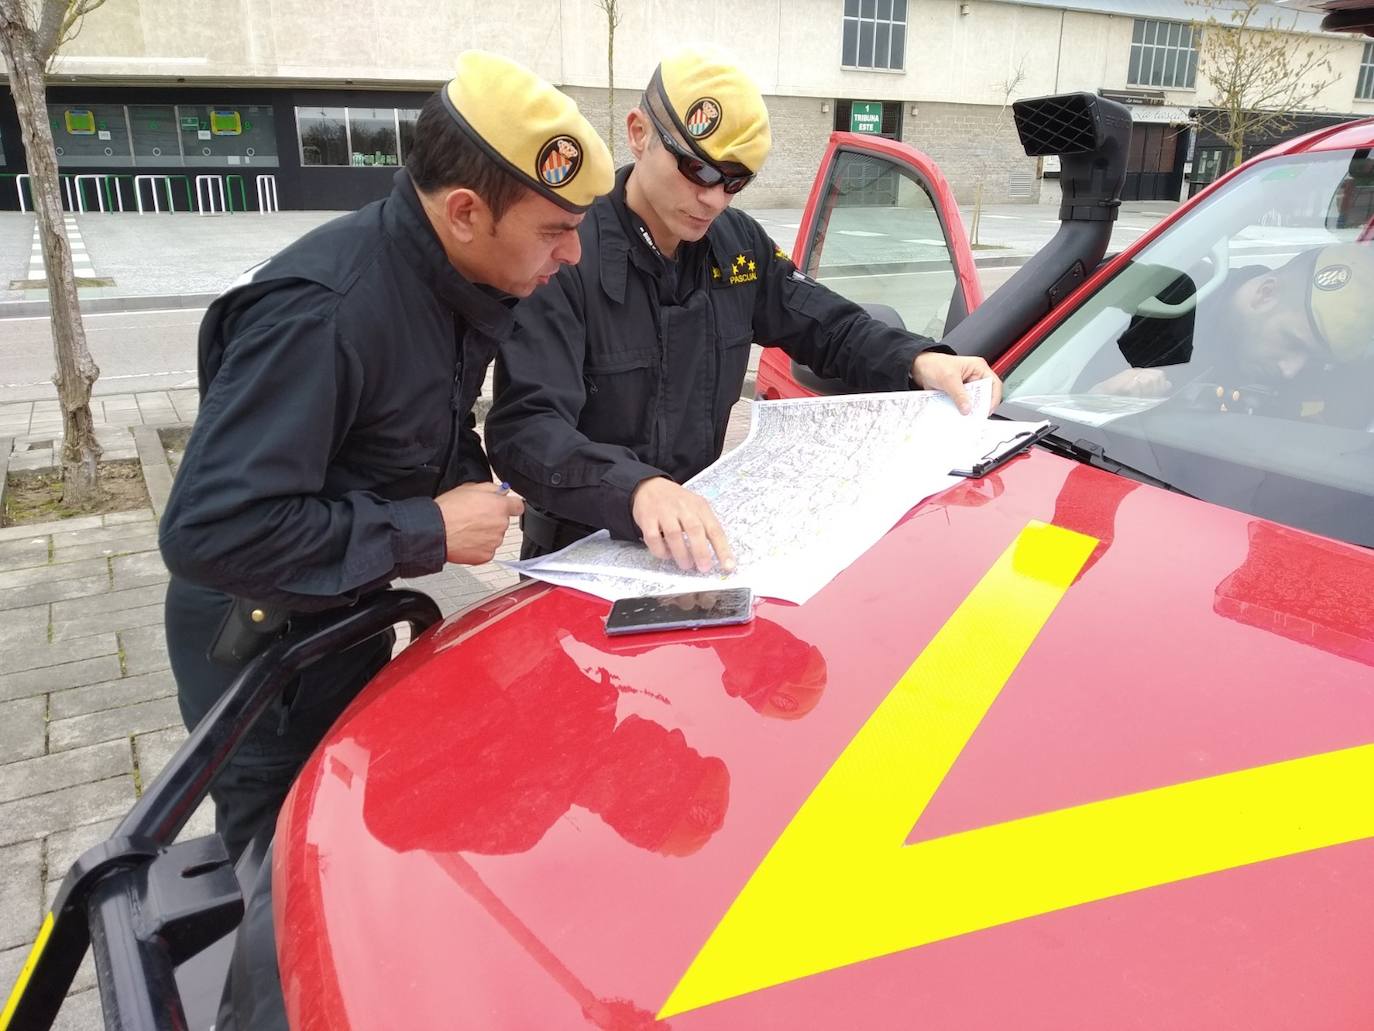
[97, 305]
[1001, 260]
[6, 449]
[157, 471]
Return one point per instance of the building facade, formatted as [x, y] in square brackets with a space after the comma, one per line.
[156, 100]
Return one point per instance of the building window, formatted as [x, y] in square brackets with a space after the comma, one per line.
[323, 135]
[215, 135]
[96, 136]
[163, 135]
[372, 135]
[874, 34]
[405, 120]
[1364, 86]
[1163, 53]
[357, 136]
[157, 142]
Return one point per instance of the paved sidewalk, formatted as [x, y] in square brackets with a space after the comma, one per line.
[167, 255]
[36, 426]
[87, 713]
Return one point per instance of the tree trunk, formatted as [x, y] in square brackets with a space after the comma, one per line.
[612, 16]
[76, 370]
[977, 219]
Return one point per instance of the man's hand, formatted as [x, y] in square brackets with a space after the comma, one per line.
[1135, 383]
[679, 524]
[476, 518]
[934, 370]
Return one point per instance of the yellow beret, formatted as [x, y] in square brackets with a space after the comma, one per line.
[717, 107]
[1340, 295]
[531, 129]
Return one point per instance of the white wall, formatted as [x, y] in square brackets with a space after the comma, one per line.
[323, 41]
[791, 46]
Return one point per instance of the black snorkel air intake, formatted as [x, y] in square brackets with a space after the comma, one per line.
[1090, 135]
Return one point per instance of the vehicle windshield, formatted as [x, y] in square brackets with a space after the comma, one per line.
[1233, 358]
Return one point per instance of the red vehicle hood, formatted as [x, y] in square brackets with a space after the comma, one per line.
[525, 824]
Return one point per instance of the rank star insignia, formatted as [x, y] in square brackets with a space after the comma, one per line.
[743, 269]
[715, 272]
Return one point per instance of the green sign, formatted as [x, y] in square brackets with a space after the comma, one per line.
[226, 123]
[866, 116]
[80, 122]
[190, 123]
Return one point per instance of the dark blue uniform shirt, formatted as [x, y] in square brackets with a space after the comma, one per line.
[337, 385]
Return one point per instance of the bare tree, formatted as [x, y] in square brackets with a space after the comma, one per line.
[31, 32]
[1006, 88]
[1262, 70]
[614, 12]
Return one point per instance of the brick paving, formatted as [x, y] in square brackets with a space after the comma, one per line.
[87, 710]
[36, 426]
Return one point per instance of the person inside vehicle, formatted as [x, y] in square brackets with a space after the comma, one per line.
[618, 383]
[335, 448]
[1296, 341]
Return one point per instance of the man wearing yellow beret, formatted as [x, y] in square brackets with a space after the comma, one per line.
[1294, 341]
[335, 448]
[618, 385]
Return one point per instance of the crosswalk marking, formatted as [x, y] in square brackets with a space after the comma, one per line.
[81, 260]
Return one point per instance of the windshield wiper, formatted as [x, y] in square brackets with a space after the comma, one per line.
[1090, 453]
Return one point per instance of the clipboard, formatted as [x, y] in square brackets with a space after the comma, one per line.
[1005, 450]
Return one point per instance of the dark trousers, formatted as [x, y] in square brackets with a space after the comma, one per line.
[252, 786]
[253, 999]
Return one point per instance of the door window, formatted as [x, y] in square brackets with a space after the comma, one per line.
[879, 240]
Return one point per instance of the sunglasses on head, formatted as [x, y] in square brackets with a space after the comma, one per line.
[694, 169]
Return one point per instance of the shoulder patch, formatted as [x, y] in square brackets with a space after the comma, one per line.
[743, 268]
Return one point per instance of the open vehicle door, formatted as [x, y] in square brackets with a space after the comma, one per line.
[925, 278]
[882, 228]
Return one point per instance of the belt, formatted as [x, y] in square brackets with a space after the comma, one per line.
[548, 533]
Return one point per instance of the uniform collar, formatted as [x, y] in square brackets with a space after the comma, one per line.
[616, 226]
[613, 252]
[406, 223]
